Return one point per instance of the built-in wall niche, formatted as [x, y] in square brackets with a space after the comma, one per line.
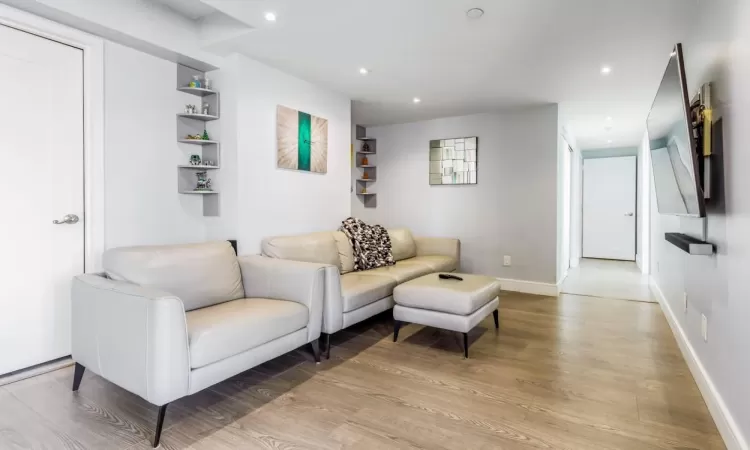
[200, 150]
[365, 160]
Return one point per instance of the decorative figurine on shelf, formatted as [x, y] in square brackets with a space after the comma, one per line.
[195, 160]
[194, 137]
[190, 109]
[196, 83]
[364, 190]
[205, 136]
[208, 162]
[365, 162]
[204, 183]
[365, 176]
[365, 147]
[205, 108]
[207, 83]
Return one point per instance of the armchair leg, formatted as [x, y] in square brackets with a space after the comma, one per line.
[466, 345]
[325, 346]
[495, 316]
[396, 327]
[78, 376]
[315, 345]
[159, 424]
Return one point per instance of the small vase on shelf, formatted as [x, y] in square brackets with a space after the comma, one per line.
[365, 162]
[365, 176]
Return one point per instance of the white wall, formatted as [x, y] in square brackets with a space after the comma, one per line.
[717, 286]
[511, 211]
[141, 153]
[272, 201]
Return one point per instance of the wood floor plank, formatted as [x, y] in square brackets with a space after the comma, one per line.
[569, 372]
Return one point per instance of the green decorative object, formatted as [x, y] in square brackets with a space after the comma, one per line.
[205, 136]
[302, 140]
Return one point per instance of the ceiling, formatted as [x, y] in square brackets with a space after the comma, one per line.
[521, 53]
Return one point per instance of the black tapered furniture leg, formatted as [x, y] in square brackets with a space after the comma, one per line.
[497, 320]
[315, 345]
[78, 376]
[396, 327]
[466, 345]
[159, 424]
[326, 345]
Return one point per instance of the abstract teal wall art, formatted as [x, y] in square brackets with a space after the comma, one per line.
[302, 141]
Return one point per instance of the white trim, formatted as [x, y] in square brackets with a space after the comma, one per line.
[529, 287]
[726, 424]
[93, 93]
[575, 262]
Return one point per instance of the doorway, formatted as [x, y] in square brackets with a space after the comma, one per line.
[43, 138]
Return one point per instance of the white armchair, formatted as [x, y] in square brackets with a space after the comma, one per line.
[165, 322]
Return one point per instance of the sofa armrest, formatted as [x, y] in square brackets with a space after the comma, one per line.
[282, 279]
[428, 246]
[133, 336]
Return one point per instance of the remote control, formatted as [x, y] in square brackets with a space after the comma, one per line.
[447, 276]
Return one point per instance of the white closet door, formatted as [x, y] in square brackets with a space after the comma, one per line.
[41, 148]
[609, 208]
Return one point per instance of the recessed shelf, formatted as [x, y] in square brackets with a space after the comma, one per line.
[199, 192]
[197, 141]
[365, 180]
[201, 92]
[365, 193]
[366, 139]
[190, 166]
[689, 244]
[368, 166]
[203, 117]
[365, 153]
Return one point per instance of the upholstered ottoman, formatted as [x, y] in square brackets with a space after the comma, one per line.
[457, 305]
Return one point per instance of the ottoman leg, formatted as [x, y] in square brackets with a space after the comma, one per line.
[396, 327]
[466, 345]
[497, 322]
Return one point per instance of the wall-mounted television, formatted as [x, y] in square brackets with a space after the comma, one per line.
[674, 158]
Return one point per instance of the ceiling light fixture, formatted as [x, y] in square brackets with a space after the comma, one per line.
[609, 141]
[363, 71]
[417, 100]
[608, 119]
[271, 17]
[475, 13]
[606, 70]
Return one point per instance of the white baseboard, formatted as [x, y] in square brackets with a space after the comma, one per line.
[575, 261]
[726, 424]
[529, 287]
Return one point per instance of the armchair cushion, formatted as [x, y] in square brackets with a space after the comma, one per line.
[312, 247]
[198, 274]
[230, 328]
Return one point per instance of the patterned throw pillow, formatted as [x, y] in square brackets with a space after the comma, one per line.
[371, 244]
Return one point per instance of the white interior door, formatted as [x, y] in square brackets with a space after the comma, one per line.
[41, 119]
[609, 188]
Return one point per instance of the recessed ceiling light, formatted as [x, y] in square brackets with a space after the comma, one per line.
[608, 118]
[363, 71]
[271, 17]
[475, 13]
[609, 141]
[606, 70]
[417, 100]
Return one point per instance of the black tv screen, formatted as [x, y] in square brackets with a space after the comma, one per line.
[674, 160]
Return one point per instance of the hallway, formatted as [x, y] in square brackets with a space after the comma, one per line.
[609, 279]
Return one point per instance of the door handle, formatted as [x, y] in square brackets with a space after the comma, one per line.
[629, 214]
[68, 219]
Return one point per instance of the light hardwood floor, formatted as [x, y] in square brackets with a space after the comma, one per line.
[561, 373]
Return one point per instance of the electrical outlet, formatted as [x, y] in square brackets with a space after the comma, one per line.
[684, 301]
[506, 260]
[704, 327]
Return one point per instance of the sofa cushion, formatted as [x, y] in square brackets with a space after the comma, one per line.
[199, 274]
[312, 247]
[359, 289]
[346, 253]
[436, 262]
[402, 244]
[228, 329]
[403, 271]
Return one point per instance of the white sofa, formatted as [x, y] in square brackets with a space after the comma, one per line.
[164, 322]
[350, 296]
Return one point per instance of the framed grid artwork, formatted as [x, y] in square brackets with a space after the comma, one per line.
[454, 161]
